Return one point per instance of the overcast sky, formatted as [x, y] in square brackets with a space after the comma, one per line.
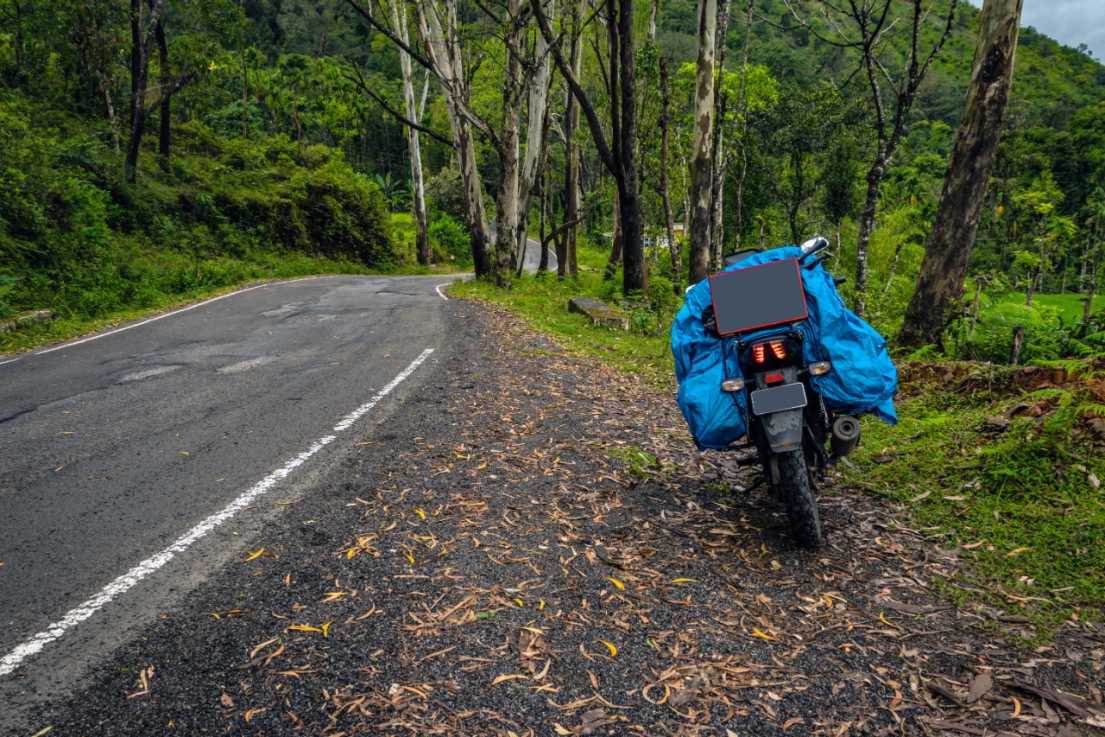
[1070, 22]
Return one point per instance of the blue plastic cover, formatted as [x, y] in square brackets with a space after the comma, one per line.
[863, 378]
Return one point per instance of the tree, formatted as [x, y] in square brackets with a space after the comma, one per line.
[949, 247]
[566, 262]
[701, 156]
[1095, 207]
[1038, 201]
[621, 160]
[839, 196]
[422, 239]
[865, 27]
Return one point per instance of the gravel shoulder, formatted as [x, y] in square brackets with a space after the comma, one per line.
[532, 546]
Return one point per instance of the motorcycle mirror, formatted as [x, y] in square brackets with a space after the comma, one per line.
[813, 245]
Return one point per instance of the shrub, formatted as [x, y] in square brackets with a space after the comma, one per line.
[450, 236]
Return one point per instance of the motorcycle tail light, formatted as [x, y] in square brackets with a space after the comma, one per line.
[779, 350]
[758, 353]
[774, 378]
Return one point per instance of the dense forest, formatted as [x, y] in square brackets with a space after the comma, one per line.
[152, 147]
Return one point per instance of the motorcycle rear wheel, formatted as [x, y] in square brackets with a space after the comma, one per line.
[797, 494]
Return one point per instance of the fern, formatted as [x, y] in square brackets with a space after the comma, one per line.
[1074, 367]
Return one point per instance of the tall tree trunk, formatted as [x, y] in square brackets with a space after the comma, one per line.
[446, 55]
[739, 120]
[653, 13]
[421, 232]
[165, 114]
[506, 187]
[633, 275]
[948, 252]
[867, 226]
[130, 166]
[717, 173]
[571, 153]
[665, 184]
[1082, 275]
[701, 159]
[536, 137]
[543, 263]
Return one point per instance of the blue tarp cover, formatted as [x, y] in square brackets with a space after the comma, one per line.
[863, 378]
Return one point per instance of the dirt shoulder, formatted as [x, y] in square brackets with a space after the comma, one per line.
[533, 548]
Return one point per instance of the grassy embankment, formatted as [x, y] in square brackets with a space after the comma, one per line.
[77, 238]
[1020, 503]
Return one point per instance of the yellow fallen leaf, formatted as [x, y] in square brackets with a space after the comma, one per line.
[534, 630]
[58, 468]
[409, 557]
[562, 730]
[539, 606]
[326, 628]
[683, 580]
[613, 650]
[462, 457]
[288, 673]
[65, 433]
[511, 677]
[519, 602]
[350, 553]
[884, 620]
[251, 712]
[757, 633]
[616, 582]
[44, 731]
[367, 614]
[184, 452]
[304, 628]
[421, 513]
[1017, 551]
[258, 554]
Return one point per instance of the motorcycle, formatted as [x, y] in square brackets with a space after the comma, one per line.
[757, 310]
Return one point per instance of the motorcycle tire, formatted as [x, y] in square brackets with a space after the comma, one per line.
[798, 495]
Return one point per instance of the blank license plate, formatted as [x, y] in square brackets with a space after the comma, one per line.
[778, 399]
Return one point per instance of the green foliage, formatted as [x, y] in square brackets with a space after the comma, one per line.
[449, 236]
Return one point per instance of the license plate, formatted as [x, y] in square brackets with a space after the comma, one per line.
[778, 399]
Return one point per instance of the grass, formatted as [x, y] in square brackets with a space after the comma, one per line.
[543, 301]
[1026, 494]
[1023, 500]
[233, 273]
[1070, 306]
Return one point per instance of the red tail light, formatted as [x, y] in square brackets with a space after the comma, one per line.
[774, 378]
[779, 351]
[758, 353]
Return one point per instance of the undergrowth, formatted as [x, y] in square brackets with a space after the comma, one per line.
[1019, 498]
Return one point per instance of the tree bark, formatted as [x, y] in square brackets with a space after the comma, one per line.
[717, 173]
[701, 159]
[135, 55]
[445, 57]
[507, 146]
[140, 112]
[568, 264]
[536, 138]
[110, 113]
[421, 231]
[665, 184]
[948, 252]
[543, 263]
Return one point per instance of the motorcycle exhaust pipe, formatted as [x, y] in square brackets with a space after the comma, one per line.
[845, 436]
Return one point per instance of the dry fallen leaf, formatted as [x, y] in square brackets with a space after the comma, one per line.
[227, 702]
[613, 650]
[1017, 551]
[980, 686]
[616, 582]
[791, 722]
[511, 677]
[561, 730]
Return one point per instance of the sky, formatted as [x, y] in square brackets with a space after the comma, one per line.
[1070, 22]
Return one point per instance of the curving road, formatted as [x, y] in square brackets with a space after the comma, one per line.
[133, 461]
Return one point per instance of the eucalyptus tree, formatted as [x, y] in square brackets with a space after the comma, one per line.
[619, 156]
[866, 28]
[702, 160]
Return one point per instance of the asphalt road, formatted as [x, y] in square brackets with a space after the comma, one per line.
[112, 449]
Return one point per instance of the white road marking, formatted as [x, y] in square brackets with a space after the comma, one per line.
[152, 319]
[441, 293]
[128, 580]
[11, 361]
[246, 365]
[147, 373]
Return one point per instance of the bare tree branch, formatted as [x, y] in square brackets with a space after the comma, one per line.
[360, 82]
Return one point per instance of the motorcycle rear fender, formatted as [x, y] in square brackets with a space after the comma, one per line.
[783, 430]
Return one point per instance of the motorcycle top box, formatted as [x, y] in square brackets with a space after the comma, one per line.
[758, 297]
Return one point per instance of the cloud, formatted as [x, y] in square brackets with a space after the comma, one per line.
[1070, 22]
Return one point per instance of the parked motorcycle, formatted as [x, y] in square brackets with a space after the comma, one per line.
[756, 311]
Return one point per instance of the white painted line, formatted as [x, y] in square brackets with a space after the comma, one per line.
[152, 319]
[11, 361]
[146, 373]
[128, 580]
[441, 293]
[246, 365]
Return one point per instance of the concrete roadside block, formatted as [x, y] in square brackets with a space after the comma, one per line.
[599, 312]
[27, 318]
